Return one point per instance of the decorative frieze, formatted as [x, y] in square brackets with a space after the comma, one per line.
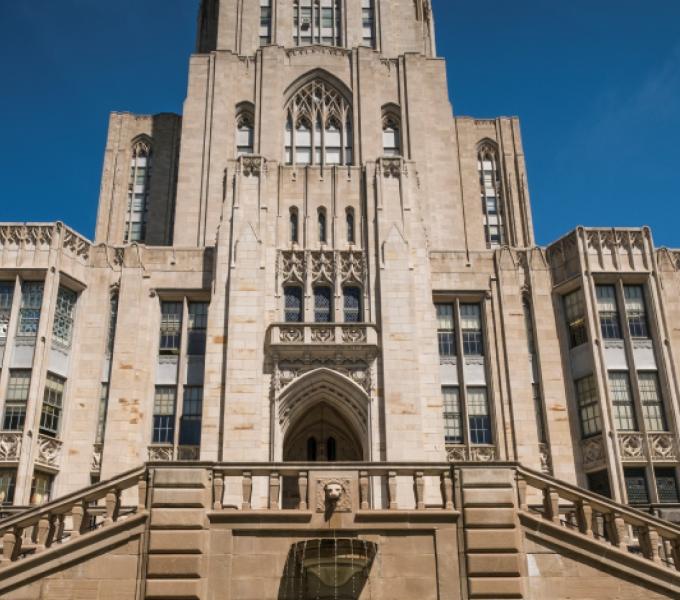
[321, 334]
[161, 453]
[38, 237]
[49, 451]
[10, 446]
[292, 266]
[592, 450]
[462, 453]
[632, 446]
[663, 447]
[322, 266]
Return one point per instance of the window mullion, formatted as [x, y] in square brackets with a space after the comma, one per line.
[182, 368]
[462, 387]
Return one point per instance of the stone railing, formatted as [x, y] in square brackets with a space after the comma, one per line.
[59, 522]
[599, 519]
[10, 446]
[301, 486]
[44, 236]
[348, 334]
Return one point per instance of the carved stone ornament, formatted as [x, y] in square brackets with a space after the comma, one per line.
[333, 494]
[352, 267]
[291, 334]
[456, 453]
[392, 167]
[26, 236]
[632, 446]
[76, 244]
[96, 464]
[482, 454]
[546, 460]
[161, 453]
[288, 371]
[323, 335]
[49, 451]
[323, 267]
[253, 166]
[354, 335]
[663, 446]
[593, 451]
[292, 266]
[10, 446]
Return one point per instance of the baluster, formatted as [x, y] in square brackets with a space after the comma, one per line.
[363, 489]
[59, 533]
[616, 528]
[11, 545]
[43, 531]
[302, 489]
[142, 490]
[218, 490]
[392, 489]
[112, 503]
[522, 492]
[675, 553]
[419, 483]
[274, 490]
[77, 517]
[551, 505]
[584, 514]
[447, 490]
[650, 547]
[247, 483]
[53, 530]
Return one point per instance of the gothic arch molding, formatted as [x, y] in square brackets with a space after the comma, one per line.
[318, 74]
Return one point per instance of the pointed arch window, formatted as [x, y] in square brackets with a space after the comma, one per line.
[490, 182]
[323, 304]
[294, 220]
[245, 133]
[391, 124]
[317, 22]
[293, 307]
[318, 126]
[138, 192]
[351, 233]
[323, 228]
[351, 297]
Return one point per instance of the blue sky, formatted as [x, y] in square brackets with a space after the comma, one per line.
[596, 84]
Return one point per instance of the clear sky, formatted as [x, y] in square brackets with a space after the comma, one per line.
[596, 84]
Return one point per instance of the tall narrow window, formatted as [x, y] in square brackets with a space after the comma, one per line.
[101, 416]
[323, 304]
[192, 411]
[667, 486]
[624, 410]
[6, 295]
[529, 328]
[16, 400]
[311, 449]
[294, 220]
[62, 330]
[446, 333]
[8, 479]
[635, 311]
[636, 486]
[113, 320]
[490, 182]
[540, 414]
[197, 327]
[138, 194]
[41, 488]
[317, 22]
[265, 22]
[478, 416]
[29, 314]
[368, 23]
[164, 415]
[588, 406]
[293, 304]
[53, 401]
[471, 325]
[352, 304]
[331, 449]
[453, 417]
[598, 482]
[318, 126]
[349, 219]
[244, 133]
[575, 314]
[391, 134]
[609, 314]
[652, 405]
[171, 327]
[323, 233]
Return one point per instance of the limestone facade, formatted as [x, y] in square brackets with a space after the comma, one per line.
[319, 262]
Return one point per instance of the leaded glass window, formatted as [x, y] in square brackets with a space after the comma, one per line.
[171, 327]
[196, 330]
[352, 304]
[41, 488]
[574, 311]
[478, 415]
[192, 412]
[317, 22]
[446, 333]
[138, 193]
[53, 400]
[636, 311]
[294, 225]
[8, 479]
[62, 330]
[31, 303]
[588, 405]
[265, 22]
[6, 295]
[490, 184]
[471, 326]
[608, 311]
[323, 304]
[164, 414]
[652, 404]
[624, 410]
[368, 23]
[349, 219]
[667, 486]
[453, 416]
[293, 304]
[16, 399]
[636, 486]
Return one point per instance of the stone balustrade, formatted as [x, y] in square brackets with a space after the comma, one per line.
[44, 236]
[600, 519]
[35, 530]
[319, 334]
